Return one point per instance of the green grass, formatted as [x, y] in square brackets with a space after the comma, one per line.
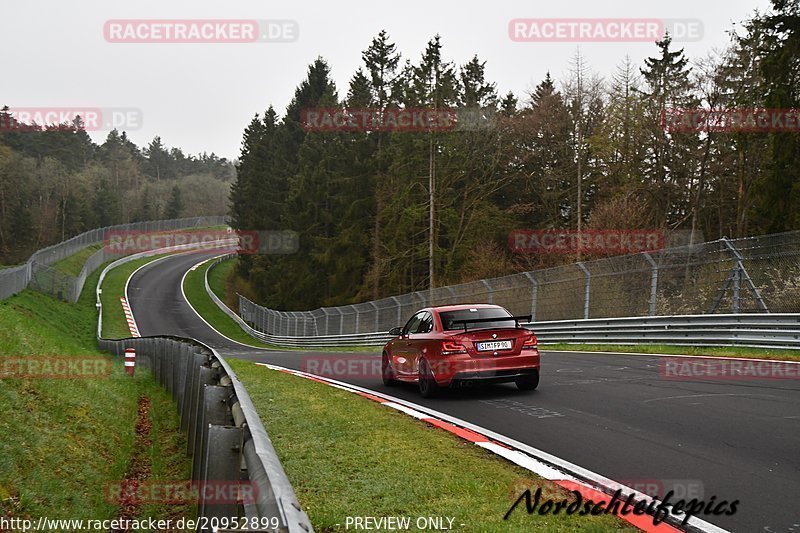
[194, 287]
[348, 456]
[218, 278]
[736, 351]
[73, 264]
[115, 325]
[62, 441]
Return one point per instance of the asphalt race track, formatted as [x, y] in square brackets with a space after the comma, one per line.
[612, 414]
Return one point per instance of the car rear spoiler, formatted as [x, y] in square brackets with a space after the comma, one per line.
[516, 319]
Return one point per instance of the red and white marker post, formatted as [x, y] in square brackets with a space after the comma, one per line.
[130, 361]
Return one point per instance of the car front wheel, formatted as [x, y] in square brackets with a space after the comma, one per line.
[528, 382]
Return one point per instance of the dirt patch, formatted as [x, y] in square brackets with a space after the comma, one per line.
[139, 467]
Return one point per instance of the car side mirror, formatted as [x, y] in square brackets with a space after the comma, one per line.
[395, 332]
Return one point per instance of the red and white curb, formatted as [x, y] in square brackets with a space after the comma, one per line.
[129, 317]
[539, 462]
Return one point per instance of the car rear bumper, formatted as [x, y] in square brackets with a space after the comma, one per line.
[468, 379]
[465, 370]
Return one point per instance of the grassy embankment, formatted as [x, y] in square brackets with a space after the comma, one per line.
[63, 440]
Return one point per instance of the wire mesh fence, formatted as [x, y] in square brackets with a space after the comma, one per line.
[39, 273]
[749, 275]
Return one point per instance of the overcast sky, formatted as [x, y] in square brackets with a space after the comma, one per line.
[200, 97]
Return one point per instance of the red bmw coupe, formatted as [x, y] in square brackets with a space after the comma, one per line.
[462, 345]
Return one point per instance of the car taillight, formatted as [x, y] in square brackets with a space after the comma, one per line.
[452, 348]
[530, 343]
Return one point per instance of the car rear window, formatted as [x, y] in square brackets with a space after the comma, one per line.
[449, 318]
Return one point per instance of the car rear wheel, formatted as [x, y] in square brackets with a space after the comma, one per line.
[428, 387]
[529, 382]
[386, 371]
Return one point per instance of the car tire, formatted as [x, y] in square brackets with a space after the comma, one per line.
[428, 387]
[386, 371]
[528, 382]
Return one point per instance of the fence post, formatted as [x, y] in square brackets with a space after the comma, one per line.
[358, 317]
[453, 295]
[588, 288]
[399, 310]
[327, 321]
[534, 291]
[341, 320]
[489, 290]
[377, 316]
[653, 283]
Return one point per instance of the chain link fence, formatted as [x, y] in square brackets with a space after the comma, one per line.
[749, 275]
[40, 274]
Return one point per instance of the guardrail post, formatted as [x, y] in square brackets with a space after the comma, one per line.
[205, 377]
[221, 464]
[653, 283]
[587, 290]
[213, 412]
[534, 291]
[195, 361]
[183, 367]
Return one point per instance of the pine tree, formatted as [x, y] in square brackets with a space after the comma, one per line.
[174, 208]
[780, 67]
[671, 160]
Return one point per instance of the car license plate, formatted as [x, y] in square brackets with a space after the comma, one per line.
[494, 346]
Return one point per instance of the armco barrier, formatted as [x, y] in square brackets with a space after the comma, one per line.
[748, 330]
[225, 436]
[39, 274]
[740, 276]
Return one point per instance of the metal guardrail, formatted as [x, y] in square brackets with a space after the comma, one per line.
[226, 438]
[364, 339]
[39, 274]
[747, 330]
[749, 275]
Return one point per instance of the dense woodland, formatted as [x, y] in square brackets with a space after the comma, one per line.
[55, 182]
[587, 149]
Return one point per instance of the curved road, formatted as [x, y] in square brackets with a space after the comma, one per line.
[611, 414]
